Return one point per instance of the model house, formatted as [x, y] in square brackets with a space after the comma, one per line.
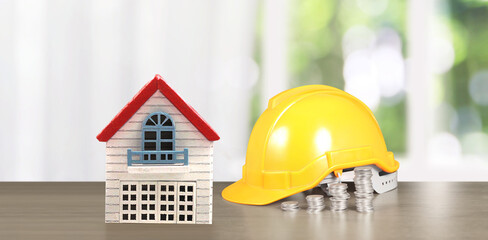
[159, 163]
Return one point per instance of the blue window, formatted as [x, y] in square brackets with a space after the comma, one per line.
[158, 142]
[158, 134]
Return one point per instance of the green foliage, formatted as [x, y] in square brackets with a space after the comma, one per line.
[316, 57]
[466, 20]
[392, 121]
[313, 15]
[316, 51]
[473, 3]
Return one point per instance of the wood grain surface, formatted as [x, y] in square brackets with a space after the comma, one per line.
[52, 210]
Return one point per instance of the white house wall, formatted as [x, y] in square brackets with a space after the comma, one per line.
[200, 158]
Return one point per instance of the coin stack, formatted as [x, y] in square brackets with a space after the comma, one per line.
[364, 189]
[289, 206]
[315, 203]
[338, 201]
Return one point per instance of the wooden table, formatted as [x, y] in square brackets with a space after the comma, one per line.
[414, 211]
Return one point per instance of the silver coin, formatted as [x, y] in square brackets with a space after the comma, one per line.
[338, 185]
[338, 207]
[314, 211]
[289, 206]
[362, 178]
[338, 201]
[363, 185]
[363, 195]
[315, 197]
[315, 203]
[338, 190]
[362, 181]
[364, 189]
[317, 207]
[363, 173]
[362, 169]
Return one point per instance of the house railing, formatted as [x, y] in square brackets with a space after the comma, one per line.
[157, 157]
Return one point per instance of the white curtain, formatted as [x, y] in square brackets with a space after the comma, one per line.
[67, 68]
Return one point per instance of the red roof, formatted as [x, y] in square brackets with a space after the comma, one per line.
[142, 96]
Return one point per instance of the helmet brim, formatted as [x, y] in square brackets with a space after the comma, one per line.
[242, 193]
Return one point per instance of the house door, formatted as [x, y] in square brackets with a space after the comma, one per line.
[157, 202]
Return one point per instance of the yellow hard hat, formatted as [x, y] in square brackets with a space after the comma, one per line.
[305, 134]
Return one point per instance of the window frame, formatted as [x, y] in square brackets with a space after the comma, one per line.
[158, 127]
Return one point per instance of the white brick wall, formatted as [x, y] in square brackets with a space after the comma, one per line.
[200, 159]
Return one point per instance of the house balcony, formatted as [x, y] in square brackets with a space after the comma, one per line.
[157, 158]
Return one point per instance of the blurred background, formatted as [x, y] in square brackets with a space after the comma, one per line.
[68, 67]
